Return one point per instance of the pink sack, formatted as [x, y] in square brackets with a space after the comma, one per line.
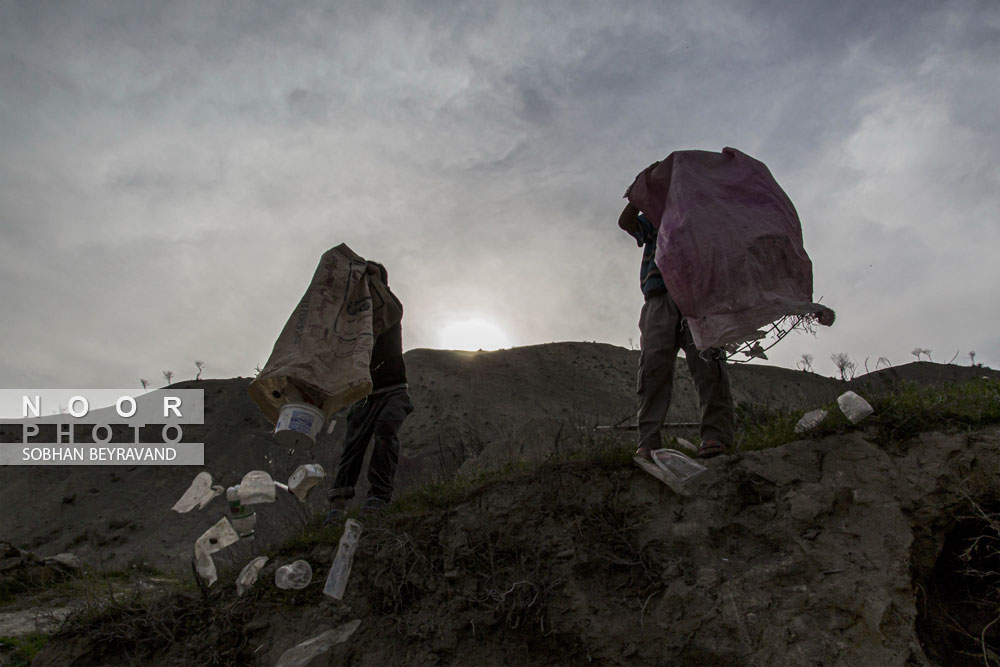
[729, 244]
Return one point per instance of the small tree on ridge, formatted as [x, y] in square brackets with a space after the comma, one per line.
[844, 364]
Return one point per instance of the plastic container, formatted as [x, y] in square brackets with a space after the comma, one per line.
[216, 538]
[242, 519]
[853, 406]
[306, 652]
[256, 487]
[205, 566]
[672, 468]
[336, 581]
[295, 575]
[810, 420]
[244, 524]
[305, 477]
[248, 575]
[233, 497]
[199, 494]
[298, 425]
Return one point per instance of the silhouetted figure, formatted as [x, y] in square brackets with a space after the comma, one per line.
[378, 416]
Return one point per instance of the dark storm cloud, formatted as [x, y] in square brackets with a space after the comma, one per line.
[171, 172]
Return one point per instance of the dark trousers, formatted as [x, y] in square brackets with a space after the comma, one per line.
[379, 416]
[662, 335]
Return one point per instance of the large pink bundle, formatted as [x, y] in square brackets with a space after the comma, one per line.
[729, 244]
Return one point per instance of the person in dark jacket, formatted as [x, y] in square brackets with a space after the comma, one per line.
[662, 333]
[378, 416]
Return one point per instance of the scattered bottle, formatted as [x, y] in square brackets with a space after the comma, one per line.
[336, 581]
[242, 519]
[305, 477]
[248, 575]
[295, 575]
[256, 487]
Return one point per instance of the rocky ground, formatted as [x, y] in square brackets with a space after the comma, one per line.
[819, 552]
[834, 551]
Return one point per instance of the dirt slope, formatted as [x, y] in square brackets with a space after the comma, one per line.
[814, 553]
[465, 403]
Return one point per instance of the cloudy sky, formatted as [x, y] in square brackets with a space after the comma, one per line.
[171, 172]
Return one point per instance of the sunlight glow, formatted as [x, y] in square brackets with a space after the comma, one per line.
[473, 333]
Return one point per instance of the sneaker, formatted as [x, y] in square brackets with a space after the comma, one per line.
[710, 448]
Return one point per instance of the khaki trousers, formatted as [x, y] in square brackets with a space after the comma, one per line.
[661, 335]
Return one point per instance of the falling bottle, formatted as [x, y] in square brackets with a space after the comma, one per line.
[336, 581]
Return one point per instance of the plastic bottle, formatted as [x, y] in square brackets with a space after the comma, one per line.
[242, 519]
[233, 496]
[244, 524]
[256, 487]
[336, 581]
[294, 575]
[305, 477]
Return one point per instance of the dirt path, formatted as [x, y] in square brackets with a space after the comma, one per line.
[41, 619]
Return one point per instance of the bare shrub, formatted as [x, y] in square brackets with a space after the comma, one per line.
[805, 363]
[845, 366]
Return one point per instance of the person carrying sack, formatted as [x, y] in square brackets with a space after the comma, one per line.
[379, 417]
[662, 333]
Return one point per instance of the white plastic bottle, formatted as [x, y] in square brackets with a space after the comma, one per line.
[336, 581]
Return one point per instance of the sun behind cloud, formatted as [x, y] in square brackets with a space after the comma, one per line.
[472, 333]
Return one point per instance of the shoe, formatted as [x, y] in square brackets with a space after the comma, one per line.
[710, 448]
[373, 505]
[343, 493]
[338, 508]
